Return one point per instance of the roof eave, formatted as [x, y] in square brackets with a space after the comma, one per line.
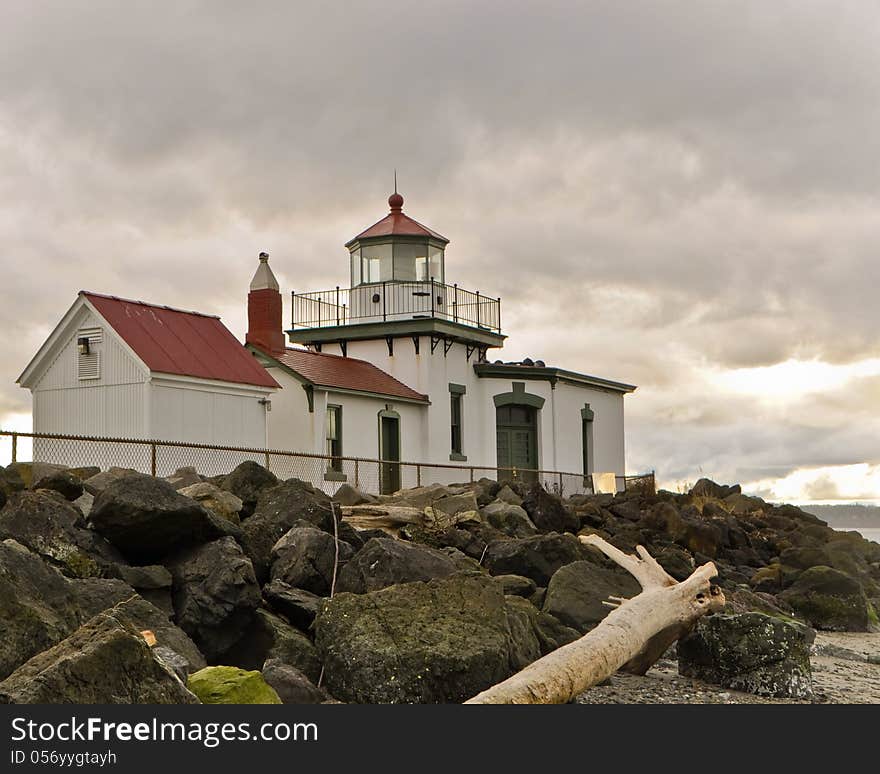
[550, 374]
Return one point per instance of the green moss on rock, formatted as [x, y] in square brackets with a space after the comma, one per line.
[231, 685]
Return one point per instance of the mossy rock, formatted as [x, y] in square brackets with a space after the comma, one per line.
[829, 600]
[231, 685]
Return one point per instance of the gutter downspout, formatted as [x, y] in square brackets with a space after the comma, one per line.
[553, 420]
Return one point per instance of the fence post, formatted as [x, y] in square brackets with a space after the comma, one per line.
[432, 296]
[357, 474]
[455, 302]
[15, 447]
[418, 475]
[267, 459]
[384, 306]
[478, 308]
[472, 474]
[560, 484]
[337, 311]
[153, 459]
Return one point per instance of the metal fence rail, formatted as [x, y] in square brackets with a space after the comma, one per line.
[374, 476]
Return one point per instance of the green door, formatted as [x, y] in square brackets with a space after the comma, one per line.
[389, 452]
[516, 441]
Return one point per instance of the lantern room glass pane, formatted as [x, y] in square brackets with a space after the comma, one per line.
[407, 260]
[377, 263]
[435, 267]
[355, 268]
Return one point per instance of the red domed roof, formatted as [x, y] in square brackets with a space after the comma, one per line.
[395, 223]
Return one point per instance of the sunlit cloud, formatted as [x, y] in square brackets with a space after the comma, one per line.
[832, 483]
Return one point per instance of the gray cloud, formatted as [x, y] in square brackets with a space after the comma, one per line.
[652, 187]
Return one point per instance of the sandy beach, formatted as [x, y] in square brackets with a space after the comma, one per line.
[846, 670]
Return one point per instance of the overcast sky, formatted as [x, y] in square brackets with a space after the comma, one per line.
[680, 195]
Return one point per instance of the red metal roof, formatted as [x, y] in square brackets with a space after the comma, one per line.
[345, 373]
[172, 341]
[396, 223]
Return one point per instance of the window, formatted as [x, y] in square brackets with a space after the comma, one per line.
[334, 437]
[455, 401]
[410, 261]
[377, 263]
[355, 268]
[456, 395]
[587, 438]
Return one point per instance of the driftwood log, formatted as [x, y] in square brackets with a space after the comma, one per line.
[633, 635]
[391, 518]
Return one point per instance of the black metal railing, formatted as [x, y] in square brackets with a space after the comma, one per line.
[397, 300]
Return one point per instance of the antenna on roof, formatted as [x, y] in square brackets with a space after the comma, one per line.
[395, 180]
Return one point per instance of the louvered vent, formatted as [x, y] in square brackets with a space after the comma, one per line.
[89, 363]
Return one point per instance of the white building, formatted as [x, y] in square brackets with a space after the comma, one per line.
[396, 367]
[126, 369]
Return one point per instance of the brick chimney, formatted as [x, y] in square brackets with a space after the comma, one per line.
[264, 311]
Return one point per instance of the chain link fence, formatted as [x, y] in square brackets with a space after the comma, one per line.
[162, 458]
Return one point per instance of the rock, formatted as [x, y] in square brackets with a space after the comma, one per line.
[676, 561]
[305, 558]
[38, 607]
[485, 490]
[829, 599]
[454, 504]
[663, 517]
[517, 585]
[297, 605]
[535, 557]
[105, 661]
[231, 685]
[700, 537]
[423, 496]
[507, 495]
[278, 509]
[183, 478]
[146, 519]
[220, 502]
[10, 481]
[576, 592]
[97, 595]
[533, 633]
[509, 519]
[84, 503]
[174, 661]
[547, 511]
[740, 504]
[63, 482]
[291, 685]
[215, 594]
[708, 488]
[750, 652]
[270, 637]
[441, 641]
[348, 495]
[385, 562]
[247, 482]
[148, 577]
[52, 527]
[84, 472]
[100, 481]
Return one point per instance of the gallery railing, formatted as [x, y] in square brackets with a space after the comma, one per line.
[399, 300]
[374, 476]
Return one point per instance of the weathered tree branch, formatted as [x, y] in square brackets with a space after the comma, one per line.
[630, 635]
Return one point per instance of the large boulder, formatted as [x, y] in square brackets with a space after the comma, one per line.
[220, 502]
[215, 594]
[97, 595]
[385, 561]
[271, 637]
[534, 557]
[532, 632]
[53, 528]
[147, 519]
[750, 652]
[349, 495]
[231, 685]
[547, 511]
[508, 518]
[829, 600]
[97, 483]
[62, 481]
[707, 488]
[297, 605]
[38, 606]
[184, 477]
[277, 511]
[305, 558]
[576, 592]
[441, 641]
[105, 661]
[291, 685]
[247, 482]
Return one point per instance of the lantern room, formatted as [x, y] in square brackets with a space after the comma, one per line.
[397, 249]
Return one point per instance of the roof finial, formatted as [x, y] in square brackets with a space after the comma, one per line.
[395, 201]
